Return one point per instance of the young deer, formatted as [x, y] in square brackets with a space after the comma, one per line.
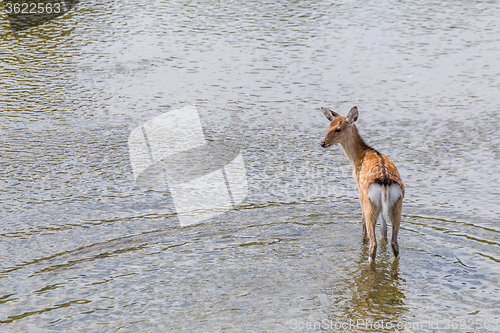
[380, 187]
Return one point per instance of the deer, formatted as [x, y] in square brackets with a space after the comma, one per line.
[380, 187]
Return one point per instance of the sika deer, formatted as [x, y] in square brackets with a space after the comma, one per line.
[380, 187]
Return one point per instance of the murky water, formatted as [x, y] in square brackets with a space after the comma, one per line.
[84, 249]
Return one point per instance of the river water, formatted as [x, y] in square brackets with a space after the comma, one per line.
[82, 248]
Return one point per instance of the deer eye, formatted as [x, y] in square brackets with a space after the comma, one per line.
[337, 129]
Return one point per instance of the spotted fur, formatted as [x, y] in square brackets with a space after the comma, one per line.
[381, 189]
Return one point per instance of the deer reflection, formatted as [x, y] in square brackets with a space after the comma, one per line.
[373, 293]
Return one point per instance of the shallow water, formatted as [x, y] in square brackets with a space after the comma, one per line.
[83, 248]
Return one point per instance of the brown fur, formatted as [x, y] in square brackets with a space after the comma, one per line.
[370, 167]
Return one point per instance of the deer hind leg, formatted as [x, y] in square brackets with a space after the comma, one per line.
[370, 212]
[395, 214]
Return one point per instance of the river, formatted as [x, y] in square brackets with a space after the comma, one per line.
[83, 248]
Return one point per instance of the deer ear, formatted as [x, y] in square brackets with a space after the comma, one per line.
[352, 116]
[329, 114]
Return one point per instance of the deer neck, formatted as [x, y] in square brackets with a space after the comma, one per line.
[354, 146]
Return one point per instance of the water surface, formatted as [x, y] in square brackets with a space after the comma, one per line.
[83, 248]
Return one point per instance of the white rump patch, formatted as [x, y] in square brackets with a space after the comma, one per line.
[375, 192]
[393, 194]
[384, 197]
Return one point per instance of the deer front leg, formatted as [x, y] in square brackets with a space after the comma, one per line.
[363, 219]
[383, 227]
[364, 225]
[361, 199]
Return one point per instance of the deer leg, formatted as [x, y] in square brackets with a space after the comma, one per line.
[383, 227]
[371, 213]
[395, 213]
[364, 225]
[363, 219]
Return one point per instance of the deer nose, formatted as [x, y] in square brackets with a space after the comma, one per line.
[322, 144]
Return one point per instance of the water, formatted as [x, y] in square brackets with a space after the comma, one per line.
[84, 249]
